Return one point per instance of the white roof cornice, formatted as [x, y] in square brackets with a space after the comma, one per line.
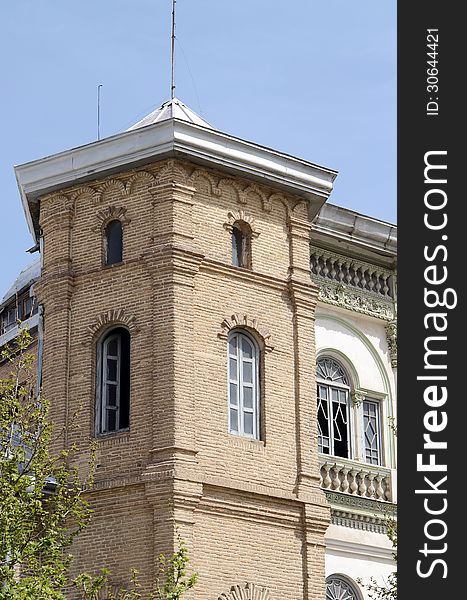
[177, 138]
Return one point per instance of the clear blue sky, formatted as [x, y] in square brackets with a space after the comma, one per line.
[316, 79]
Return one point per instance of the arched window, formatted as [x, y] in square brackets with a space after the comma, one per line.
[333, 408]
[241, 245]
[113, 381]
[341, 588]
[113, 242]
[243, 376]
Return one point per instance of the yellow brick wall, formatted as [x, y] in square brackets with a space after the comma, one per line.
[250, 511]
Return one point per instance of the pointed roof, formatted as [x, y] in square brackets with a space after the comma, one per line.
[172, 109]
[172, 130]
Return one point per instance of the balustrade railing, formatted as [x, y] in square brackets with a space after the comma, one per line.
[345, 271]
[355, 478]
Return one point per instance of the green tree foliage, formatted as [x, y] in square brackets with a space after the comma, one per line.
[43, 506]
[389, 590]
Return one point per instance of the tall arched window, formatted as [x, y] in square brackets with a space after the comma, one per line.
[333, 408]
[113, 242]
[113, 381]
[243, 376]
[241, 245]
[339, 587]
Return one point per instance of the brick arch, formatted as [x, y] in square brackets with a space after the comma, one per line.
[139, 179]
[110, 318]
[210, 180]
[249, 591]
[112, 187]
[240, 216]
[111, 213]
[249, 323]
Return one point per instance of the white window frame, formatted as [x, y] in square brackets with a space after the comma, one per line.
[102, 384]
[350, 416]
[237, 403]
[377, 404]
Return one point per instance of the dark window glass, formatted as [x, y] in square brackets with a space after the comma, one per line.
[241, 246]
[114, 384]
[237, 247]
[114, 243]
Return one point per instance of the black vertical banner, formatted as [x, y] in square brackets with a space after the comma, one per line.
[432, 361]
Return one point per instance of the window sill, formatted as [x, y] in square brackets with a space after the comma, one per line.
[113, 438]
[246, 443]
[112, 266]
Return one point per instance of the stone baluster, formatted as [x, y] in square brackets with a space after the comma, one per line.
[371, 488]
[385, 285]
[353, 483]
[336, 484]
[362, 485]
[340, 271]
[326, 479]
[371, 281]
[348, 276]
[379, 487]
[364, 279]
[378, 282]
[356, 277]
[345, 481]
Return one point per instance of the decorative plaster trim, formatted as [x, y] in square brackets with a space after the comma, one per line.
[248, 322]
[358, 506]
[353, 299]
[391, 336]
[347, 519]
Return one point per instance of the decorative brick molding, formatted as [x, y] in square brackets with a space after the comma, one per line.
[111, 317]
[138, 179]
[111, 213]
[173, 172]
[249, 323]
[234, 217]
[233, 185]
[198, 174]
[111, 187]
[249, 591]
[87, 191]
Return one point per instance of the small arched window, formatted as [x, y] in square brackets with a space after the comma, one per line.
[241, 245]
[113, 381]
[243, 377]
[339, 587]
[113, 242]
[333, 408]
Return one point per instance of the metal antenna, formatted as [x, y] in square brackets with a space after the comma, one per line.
[99, 111]
[172, 91]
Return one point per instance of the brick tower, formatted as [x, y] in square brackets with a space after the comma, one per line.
[179, 334]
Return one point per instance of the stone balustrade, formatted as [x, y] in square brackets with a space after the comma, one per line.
[347, 272]
[355, 478]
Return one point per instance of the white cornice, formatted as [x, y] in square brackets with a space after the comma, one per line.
[177, 138]
[354, 549]
[364, 233]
